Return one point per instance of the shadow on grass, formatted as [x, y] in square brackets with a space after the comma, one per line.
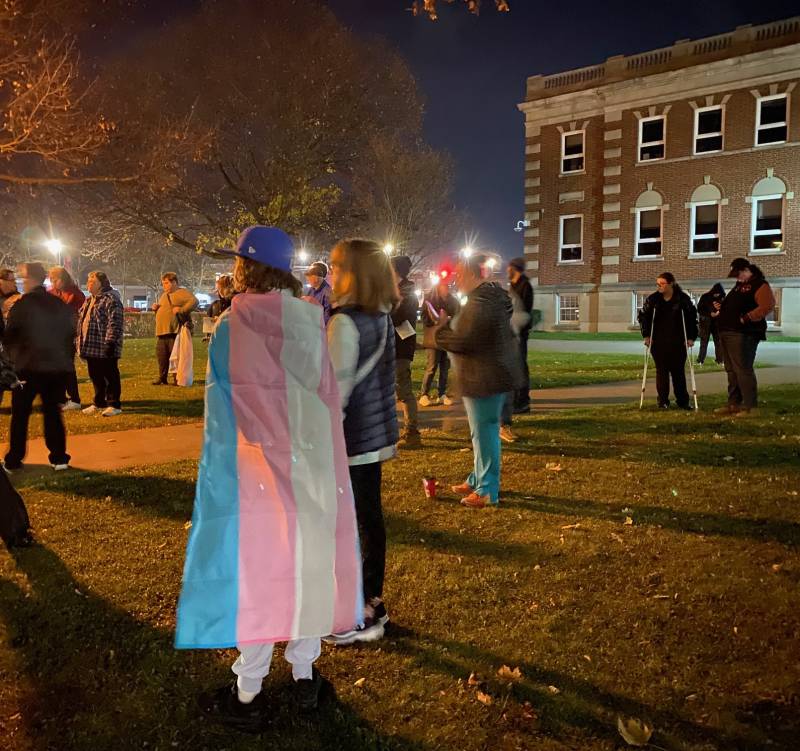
[695, 522]
[95, 677]
[190, 407]
[578, 704]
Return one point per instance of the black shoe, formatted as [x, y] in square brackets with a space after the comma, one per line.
[12, 466]
[307, 691]
[526, 410]
[687, 407]
[223, 706]
[159, 382]
[380, 613]
[663, 405]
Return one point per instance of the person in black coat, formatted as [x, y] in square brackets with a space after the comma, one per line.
[708, 322]
[40, 340]
[404, 318]
[668, 322]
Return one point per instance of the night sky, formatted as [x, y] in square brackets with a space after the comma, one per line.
[472, 71]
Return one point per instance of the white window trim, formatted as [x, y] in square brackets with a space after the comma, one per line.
[577, 307]
[561, 244]
[660, 238]
[635, 306]
[776, 324]
[760, 127]
[766, 232]
[693, 237]
[663, 140]
[582, 155]
[697, 135]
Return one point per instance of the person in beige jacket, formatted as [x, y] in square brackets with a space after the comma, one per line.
[172, 310]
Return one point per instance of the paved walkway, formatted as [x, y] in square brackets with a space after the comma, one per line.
[104, 452]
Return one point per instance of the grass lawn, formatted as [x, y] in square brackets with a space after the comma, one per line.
[145, 405]
[621, 336]
[640, 563]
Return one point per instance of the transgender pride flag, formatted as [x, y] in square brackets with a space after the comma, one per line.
[273, 549]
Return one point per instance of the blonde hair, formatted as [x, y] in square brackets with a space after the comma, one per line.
[365, 276]
[250, 274]
[60, 273]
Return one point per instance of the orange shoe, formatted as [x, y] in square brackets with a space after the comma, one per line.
[463, 489]
[477, 501]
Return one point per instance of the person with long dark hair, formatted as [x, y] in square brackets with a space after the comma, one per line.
[668, 323]
[708, 322]
[742, 323]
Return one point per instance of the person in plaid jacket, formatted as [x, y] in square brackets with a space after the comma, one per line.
[100, 329]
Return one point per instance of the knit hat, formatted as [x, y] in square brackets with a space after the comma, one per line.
[518, 264]
[402, 266]
[318, 268]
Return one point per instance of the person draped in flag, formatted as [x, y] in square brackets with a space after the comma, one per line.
[273, 552]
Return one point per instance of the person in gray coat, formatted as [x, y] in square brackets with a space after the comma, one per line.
[486, 358]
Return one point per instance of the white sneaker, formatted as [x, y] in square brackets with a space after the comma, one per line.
[447, 401]
[424, 401]
[91, 410]
[70, 406]
[111, 412]
[60, 467]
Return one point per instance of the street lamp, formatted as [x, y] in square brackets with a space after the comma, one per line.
[491, 263]
[302, 256]
[467, 251]
[388, 249]
[55, 246]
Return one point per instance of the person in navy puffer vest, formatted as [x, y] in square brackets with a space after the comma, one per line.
[362, 347]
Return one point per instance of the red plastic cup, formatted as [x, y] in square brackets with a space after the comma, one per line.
[429, 483]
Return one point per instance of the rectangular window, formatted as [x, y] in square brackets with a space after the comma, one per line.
[708, 130]
[652, 138]
[774, 318]
[568, 310]
[772, 117]
[570, 239]
[572, 151]
[704, 229]
[648, 233]
[638, 303]
[767, 224]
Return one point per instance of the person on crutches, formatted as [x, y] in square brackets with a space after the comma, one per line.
[668, 324]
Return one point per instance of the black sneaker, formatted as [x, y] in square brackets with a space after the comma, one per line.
[522, 410]
[223, 706]
[375, 618]
[307, 692]
[159, 382]
[687, 407]
[663, 405]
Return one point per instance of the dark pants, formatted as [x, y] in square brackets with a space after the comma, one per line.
[522, 396]
[506, 418]
[671, 363]
[708, 330]
[71, 387]
[104, 372]
[50, 386]
[739, 353]
[164, 345]
[366, 481]
[405, 395]
[437, 359]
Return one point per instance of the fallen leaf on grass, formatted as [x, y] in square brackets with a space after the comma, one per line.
[727, 458]
[506, 673]
[587, 658]
[473, 680]
[553, 467]
[554, 690]
[617, 538]
[188, 525]
[572, 526]
[635, 732]
[628, 521]
[776, 567]
[360, 682]
[484, 698]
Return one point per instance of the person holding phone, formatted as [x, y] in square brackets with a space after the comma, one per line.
[439, 298]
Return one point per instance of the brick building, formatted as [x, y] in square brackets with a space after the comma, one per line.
[678, 159]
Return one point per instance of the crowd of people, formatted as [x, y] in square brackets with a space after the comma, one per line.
[288, 541]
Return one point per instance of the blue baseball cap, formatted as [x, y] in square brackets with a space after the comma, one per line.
[268, 245]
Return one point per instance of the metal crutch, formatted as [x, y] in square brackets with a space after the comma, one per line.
[690, 358]
[647, 358]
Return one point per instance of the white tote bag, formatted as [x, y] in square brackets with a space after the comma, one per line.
[181, 361]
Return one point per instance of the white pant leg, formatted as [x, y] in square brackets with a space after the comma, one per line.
[252, 666]
[301, 654]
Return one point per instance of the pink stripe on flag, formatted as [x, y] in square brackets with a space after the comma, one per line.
[349, 599]
[268, 513]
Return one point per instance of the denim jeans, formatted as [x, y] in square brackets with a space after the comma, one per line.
[483, 414]
[739, 352]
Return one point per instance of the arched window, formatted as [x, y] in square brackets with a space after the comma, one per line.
[649, 221]
[769, 207]
[704, 221]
